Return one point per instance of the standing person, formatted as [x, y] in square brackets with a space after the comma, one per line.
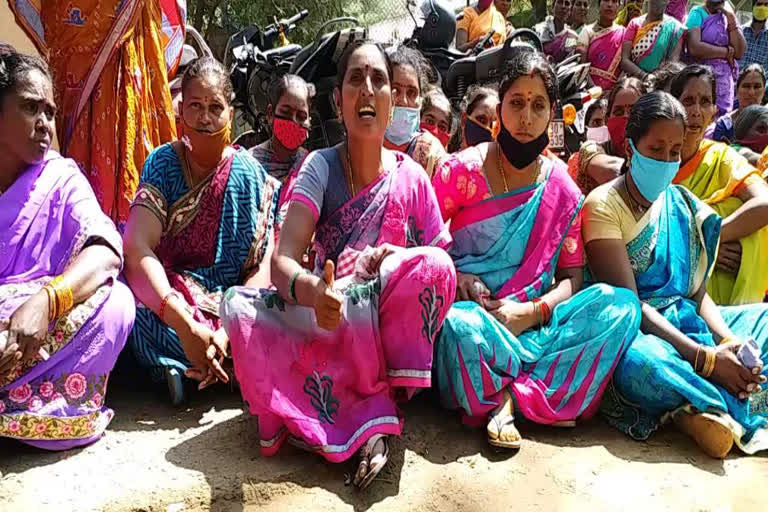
[288, 116]
[478, 116]
[715, 39]
[558, 38]
[724, 180]
[477, 22]
[600, 44]
[678, 9]
[202, 222]
[322, 358]
[638, 230]
[109, 67]
[404, 132]
[651, 40]
[579, 13]
[756, 36]
[750, 89]
[64, 317]
[523, 335]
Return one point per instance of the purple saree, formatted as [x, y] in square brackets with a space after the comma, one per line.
[47, 217]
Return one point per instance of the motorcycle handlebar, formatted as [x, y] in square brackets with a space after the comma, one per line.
[287, 24]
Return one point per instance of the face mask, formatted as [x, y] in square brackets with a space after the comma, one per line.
[205, 148]
[651, 176]
[760, 12]
[289, 133]
[521, 154]
[441, 135]
[599, 134]
[475, 133]
[756, 144]
[617, 127]
[404, 125]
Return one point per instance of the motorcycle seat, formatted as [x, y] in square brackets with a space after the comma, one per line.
[283, 51]
[444, 52]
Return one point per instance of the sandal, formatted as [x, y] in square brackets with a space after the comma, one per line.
[371, 465]
[713, 437]
[499, 420]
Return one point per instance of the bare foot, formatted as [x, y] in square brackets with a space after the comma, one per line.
[501, 425]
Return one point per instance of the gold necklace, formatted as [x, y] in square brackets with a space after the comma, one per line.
[500, 168]
[349, 173]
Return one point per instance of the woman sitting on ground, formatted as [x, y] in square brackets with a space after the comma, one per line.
[723, 179]
[288, 116]
[64, 317]
[750, 89]
[598, 162]
[437, 116]
[404, 132]
[751, 133]
[478, 116]
[322, 359]
[659, 241]
[202, 221]
[522, 332]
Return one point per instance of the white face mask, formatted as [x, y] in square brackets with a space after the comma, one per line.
[599, 134]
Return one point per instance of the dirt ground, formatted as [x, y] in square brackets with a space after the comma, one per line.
[204, 457]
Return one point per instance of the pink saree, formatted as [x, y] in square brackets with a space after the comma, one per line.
[332, 391]
[604, 55]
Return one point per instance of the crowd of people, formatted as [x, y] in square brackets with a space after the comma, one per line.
[430, 248]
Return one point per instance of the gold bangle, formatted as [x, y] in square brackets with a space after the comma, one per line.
[709, 363]
[64, 298]
[52, 313]
[726, 340]
[696, 359]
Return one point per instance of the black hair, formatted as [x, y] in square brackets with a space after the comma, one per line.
[406, 56]
[752, 68]
[475, 95]
[529, 63]
[649, 108]
[432, 97]
[628, 82]
[747, 119]
[210, 68]
[661, 79]
[689, 72]
[282, 83]
[352, 48]
[602, 103]
[14, 68]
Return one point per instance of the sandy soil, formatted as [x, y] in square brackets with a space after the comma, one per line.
[203, 457]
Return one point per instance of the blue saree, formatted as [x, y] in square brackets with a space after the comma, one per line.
[672, 256]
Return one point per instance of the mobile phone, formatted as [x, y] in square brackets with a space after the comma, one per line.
[749, 354]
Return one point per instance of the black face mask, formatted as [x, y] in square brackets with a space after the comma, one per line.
[475, 133]
[521, 154]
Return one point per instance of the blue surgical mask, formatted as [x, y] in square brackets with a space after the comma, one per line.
[404, 125]
[651, 177]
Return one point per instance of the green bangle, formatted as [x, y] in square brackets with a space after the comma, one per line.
[292, 286]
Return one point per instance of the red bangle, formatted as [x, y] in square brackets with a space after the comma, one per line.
[544, 309]
[164, 303]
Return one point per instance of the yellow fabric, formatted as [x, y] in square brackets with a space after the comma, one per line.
[625, 15]
[478, 25]
[762, 164]
[605, 216]
[717, 179]
[129, 111]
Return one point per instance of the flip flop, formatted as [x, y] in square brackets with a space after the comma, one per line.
[369, 467]
[499, 423]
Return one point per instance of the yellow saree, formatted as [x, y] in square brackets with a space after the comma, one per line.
[715, 175]
[478, 25]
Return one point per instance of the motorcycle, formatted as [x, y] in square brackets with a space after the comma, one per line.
[253, 61]
[317, 64]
